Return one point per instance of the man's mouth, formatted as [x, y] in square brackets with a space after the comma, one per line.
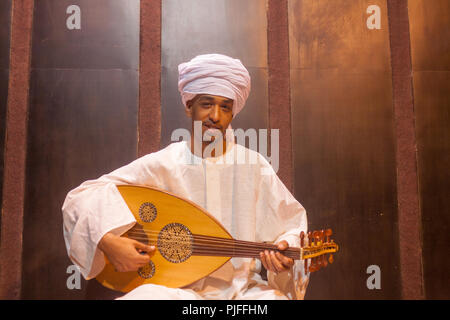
[211, 126]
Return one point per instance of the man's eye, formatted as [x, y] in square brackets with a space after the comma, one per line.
[227, 108]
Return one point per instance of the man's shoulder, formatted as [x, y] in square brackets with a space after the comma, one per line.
[250, 151]
[173, 150]
[253, 156]
[173, 147]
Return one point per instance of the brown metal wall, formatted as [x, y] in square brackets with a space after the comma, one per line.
[5, 16]
[430, 47]
[341, 95]
[195, 27]
[82, 123]
[343, 142]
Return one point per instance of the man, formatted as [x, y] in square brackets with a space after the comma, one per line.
[252, 206]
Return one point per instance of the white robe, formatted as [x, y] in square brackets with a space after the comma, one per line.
[250, 205]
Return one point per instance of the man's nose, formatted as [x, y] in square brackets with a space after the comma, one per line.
[214, 113]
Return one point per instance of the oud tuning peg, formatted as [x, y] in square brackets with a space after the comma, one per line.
[302, 244]
[322, 236]
[313, 267]
[328, 234]
[319, 262]
[316, 236]
[310, 239]
[324, 261]
[302, 239]
[331, 258]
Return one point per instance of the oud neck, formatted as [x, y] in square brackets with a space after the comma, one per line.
[219, 247]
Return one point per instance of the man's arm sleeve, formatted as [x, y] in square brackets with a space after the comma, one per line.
[285, 218]
[95, 208]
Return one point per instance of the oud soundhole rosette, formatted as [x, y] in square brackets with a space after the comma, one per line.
[147, 271]
[147, 212]
[175, 242]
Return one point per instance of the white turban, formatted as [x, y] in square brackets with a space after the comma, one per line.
[214, 74]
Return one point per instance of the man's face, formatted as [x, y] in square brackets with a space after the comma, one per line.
[215, 112]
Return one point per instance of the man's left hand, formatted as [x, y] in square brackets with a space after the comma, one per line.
[275, 261]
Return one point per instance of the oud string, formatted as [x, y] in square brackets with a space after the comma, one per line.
[209, 240]
[144, 236]
[207, 245]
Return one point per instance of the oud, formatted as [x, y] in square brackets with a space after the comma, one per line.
[191, 244]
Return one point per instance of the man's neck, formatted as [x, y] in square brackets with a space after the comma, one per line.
[214, 151]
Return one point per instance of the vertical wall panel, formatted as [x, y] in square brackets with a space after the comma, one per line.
[149, 77]
[279, 84]
[5, 17]
[410, 244]
[232, 27]
[343, 142]
[430, 50]
[82, 123]
[15, 150]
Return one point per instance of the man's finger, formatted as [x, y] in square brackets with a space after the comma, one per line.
[263, 260]
[143, 247]
[283, 245]
[143, 259]
[276, 262]
[285, 261]
[270, 265]
[150, 250]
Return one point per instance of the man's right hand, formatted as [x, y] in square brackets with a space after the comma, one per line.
[125, 254]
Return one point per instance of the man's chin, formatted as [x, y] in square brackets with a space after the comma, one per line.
[212, 133]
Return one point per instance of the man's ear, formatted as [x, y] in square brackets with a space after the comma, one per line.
[188, 108]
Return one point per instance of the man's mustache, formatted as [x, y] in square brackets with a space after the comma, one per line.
[212, 125]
